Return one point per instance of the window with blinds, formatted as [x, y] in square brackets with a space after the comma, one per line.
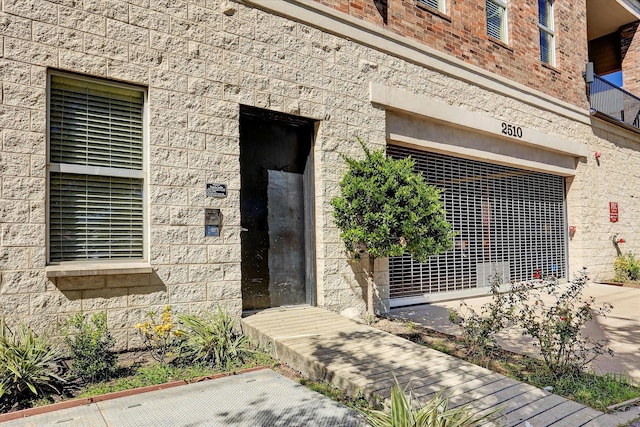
[96, 172]
[497, 19]
[547, 32]
[434, 4]
[508, 221]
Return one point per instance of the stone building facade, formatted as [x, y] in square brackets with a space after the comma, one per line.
[286, 87]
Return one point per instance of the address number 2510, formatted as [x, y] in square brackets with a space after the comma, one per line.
[511, 130]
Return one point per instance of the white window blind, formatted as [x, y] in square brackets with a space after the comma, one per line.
[435, 4]
[547, 31]
[508, 220]
[497, 19]
[96, 171]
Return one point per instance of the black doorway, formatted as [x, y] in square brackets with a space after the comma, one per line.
[276, 200]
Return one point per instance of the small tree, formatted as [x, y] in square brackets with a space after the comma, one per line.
[387, 209]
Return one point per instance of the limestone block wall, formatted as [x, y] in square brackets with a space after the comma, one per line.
[198, 62]
[612, 178]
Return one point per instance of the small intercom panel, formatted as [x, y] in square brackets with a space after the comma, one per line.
[212, 222]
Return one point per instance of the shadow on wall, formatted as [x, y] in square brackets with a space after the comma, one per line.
[360, 288]
[113, 286]
[616, 140]
[383, 8]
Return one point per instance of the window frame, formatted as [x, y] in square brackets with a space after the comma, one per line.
[504, 20]
[548, 30]
[99, 171]
[442, 7]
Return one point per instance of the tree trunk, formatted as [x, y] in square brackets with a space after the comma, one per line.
[370, 308]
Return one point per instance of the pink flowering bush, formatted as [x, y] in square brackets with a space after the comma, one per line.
[555, 316]
[479, 329]
[551, 314]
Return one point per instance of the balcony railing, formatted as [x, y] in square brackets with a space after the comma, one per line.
[614, 103]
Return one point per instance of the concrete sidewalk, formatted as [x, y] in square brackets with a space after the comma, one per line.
[621, 327]
[326, 346]
[259, 398]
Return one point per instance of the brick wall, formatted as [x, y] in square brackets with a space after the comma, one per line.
[630, 55]
[461, 32]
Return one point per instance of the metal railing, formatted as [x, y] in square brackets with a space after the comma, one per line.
[614, 102]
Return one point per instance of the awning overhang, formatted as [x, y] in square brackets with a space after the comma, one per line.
[606, 16]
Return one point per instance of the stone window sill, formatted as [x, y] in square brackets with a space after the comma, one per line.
[97, 269]
[550, 67]
[500, 43]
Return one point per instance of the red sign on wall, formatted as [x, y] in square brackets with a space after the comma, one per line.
[613, 211]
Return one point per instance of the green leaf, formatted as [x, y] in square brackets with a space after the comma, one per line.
[387, 209]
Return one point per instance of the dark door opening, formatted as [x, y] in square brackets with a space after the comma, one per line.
[276, 209]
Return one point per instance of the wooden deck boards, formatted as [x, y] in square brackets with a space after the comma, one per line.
[357, 358]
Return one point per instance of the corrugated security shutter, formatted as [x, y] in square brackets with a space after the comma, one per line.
[508, 220]
[95, 216]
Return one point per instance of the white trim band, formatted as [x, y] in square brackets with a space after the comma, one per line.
[399, 100]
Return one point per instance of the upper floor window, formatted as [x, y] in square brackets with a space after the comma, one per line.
[547, 32]
[497, 19]
[95, 170]
[434, 4]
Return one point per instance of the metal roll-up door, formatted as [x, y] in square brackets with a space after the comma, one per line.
[508, 221]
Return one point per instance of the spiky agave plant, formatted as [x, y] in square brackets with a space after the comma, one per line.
[213, 338]
[436, 412]
[28, 364]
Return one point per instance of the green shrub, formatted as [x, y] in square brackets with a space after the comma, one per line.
[626, 267]
[556, 327]
[90, 346]
[552, 315]
[28, 365]
[387, 209]
[404, 412]
[213, 338]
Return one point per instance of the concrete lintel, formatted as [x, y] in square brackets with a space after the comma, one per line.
[483, 155]
[98, 269]
[400, 100]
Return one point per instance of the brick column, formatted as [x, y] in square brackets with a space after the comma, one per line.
[630, 55]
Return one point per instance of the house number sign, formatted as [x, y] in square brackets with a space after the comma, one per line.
[511, 130]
